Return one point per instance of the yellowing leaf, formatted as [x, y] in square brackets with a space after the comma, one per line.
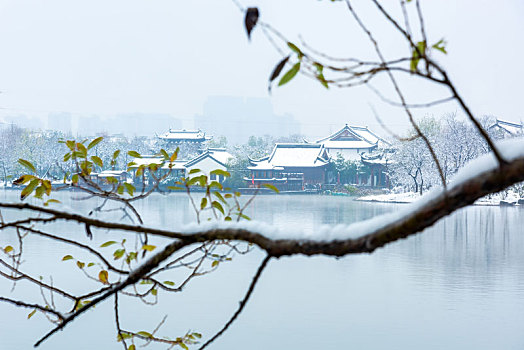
[94, 142]
[27, 164]
[107, 244]
[67, 257]
[271, 187]
[134, 154]
[31, 314]
[148, 247]
[103, 276]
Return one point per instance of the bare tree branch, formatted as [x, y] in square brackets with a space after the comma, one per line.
[243, 303]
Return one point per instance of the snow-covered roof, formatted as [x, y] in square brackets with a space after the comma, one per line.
[381, 157]
[220, 155]
[185, 135]
[110, 173]
[292, 155]
[509, 127]
[352, 137]
[147, 160]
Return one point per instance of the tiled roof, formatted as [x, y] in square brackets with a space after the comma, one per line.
[509, 127]
[352, 137]
[188, 135]
[220, 155]
[292, 155]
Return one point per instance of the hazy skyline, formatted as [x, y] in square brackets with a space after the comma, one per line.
[167, 57]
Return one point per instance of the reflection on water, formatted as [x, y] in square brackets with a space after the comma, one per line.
[458, 285]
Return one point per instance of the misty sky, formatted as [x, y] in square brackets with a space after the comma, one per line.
[167, 56]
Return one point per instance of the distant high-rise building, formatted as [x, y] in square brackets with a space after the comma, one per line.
[60, 121]
[237, 118]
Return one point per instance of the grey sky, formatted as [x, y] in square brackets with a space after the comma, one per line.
[166, 56]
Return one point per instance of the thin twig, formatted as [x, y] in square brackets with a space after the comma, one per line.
[242, 303]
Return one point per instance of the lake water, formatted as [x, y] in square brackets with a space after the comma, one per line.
[457, 285]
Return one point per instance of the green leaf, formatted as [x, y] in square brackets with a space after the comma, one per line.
[8, 249]
[441, 46]
[194, 171]
[174, 156]
[216, 184]
[23, 179]
[131, 347]
[67, 257]
[82, 150]
[417, 54]
[116, 154]
[103, 277]
[145, 334]
[120, 189]
[295, 49]
[203, 203]
[154, 292]
[244, 216]
[74, 178]
[290, 74]
[322, 80]
[27, 164]
[31, 314]
[219, 172]
[29, 189]
[129, 188]
[97, 161]
[134, 154]
[117, 254]
[94, 142]
[123, 335]
[215, 263]
[49, 201]
[220, 198]
[271, 187]
[218, 206]
[194, 180]
[164, 154]
[169, 283]
[183, 346]
[39, 192]
[107, 244]
[70, 144]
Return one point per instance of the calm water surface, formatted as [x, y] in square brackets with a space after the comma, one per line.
[458, 285]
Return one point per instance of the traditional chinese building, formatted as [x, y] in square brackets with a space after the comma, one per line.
[212, 159]
[291, 167]
[507, 129]
[377, 163]
[352, 141]
[176, 137]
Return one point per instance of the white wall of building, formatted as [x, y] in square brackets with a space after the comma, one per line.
[206, 165]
